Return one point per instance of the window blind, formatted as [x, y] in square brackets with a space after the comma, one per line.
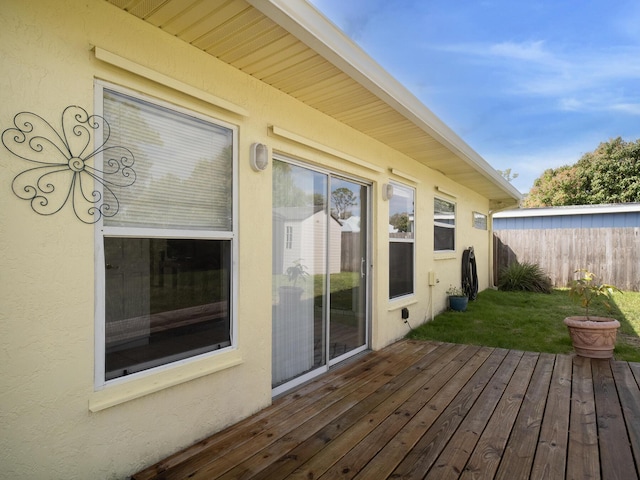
[183, 167]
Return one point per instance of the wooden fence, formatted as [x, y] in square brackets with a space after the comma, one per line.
[351, 254]
[613, 254]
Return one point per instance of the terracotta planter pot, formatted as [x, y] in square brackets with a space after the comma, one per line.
[290, 294]
[593, 337]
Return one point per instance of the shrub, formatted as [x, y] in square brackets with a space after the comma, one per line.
[528, 277]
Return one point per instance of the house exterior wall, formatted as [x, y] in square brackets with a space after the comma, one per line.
[55, 423]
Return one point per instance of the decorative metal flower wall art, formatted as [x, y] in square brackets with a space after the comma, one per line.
[64, 170]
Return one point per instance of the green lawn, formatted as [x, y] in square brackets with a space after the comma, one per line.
[342, 285]
[531, 322]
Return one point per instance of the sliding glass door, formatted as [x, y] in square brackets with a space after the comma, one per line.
[319, 297]
[300, 218]
[347, 280]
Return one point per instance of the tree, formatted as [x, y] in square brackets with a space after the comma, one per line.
[400, 221]
[609, 174]
[286, 193]
[555, 187]
[318, 199]
[508, 176]
[342, 198]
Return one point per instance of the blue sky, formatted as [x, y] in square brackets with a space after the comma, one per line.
[528, 85]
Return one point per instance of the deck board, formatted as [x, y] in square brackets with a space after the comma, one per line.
[583, 460]
[550, 458]
[417, 409]
[277, 441]
[490, 448]
[430, 431]
[452, 460]
[332, 427]
[388, 414]
[615, 450]
[516, 460]
[433, 410]
[629, 394]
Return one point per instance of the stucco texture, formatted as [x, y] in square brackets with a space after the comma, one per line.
[47, 299]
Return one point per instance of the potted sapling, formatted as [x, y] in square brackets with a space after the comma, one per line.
[297, 272]
[592, 336]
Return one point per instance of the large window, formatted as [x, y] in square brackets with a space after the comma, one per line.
[444, 225]
[401, 241]
[166, 262]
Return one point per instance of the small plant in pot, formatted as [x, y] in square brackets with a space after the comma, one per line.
[297, 272]
[458, 299]
[592, 336]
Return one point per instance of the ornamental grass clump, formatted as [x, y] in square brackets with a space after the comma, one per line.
[527, 277]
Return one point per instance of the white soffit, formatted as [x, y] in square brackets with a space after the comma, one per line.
[291, 46]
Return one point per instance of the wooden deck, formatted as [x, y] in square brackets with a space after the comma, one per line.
[436, 411]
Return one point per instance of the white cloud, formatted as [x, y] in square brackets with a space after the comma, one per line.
[629, 108]
[601, 101]
[528, 51]
[626, 18]
[578, 80]
[571, 104]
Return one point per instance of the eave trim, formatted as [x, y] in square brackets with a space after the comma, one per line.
[142, 71]
[312, 28]
[281, 132]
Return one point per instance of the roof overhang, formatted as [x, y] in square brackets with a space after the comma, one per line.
[291, 46]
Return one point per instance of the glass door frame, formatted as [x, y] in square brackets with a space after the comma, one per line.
[332, 174]
[365, 270]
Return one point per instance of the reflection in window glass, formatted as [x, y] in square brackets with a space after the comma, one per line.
[166, 300]
[479, 221]
[167, 289]
[401, 241]
[183, 167]
[444, 225]
[300, 219]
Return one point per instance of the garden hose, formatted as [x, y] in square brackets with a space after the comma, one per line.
[469, 274]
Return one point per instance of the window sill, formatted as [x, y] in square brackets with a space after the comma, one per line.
[113, 395]
[445, 256]
[401, 303]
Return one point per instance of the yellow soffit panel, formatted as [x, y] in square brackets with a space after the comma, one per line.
[292, 47]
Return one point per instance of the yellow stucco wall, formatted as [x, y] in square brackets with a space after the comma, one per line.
[54, 425]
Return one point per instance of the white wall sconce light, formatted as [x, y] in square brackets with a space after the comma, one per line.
[387, 191]
[259, 157]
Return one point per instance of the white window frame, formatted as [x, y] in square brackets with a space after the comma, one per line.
[479, 221]
[436, 223]
[102, 231]
[288, 237]
[398, 185]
